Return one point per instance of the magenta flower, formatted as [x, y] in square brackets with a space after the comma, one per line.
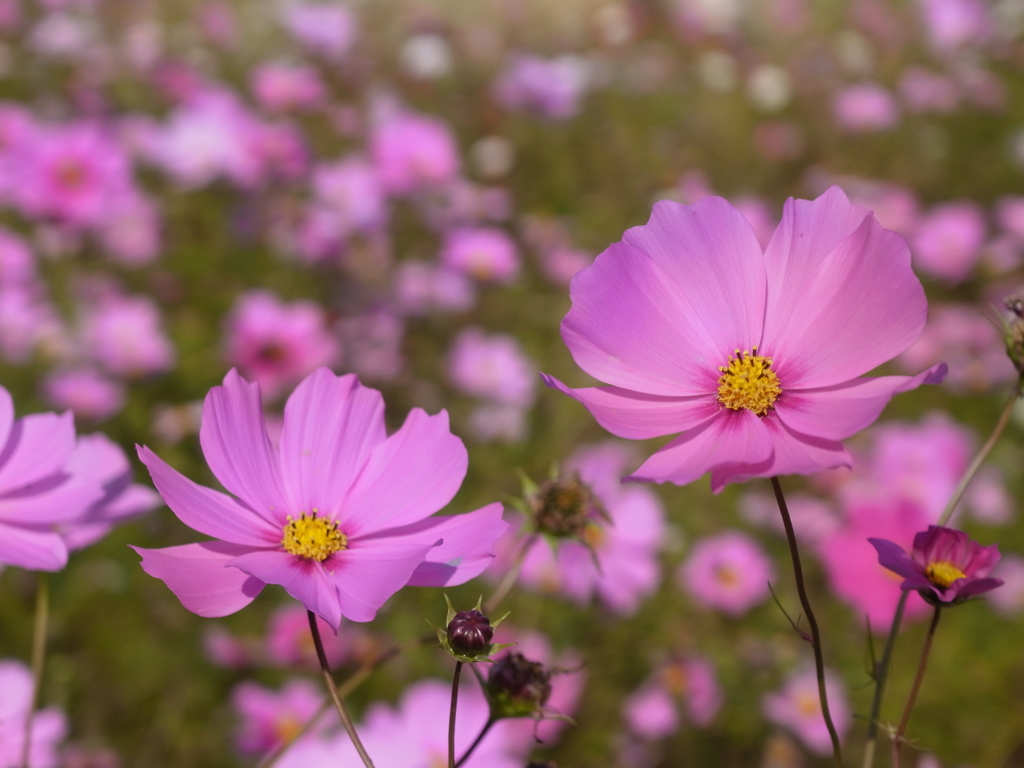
[339, 513]
[797, 708]
[945, 567]
[653, 711]
[729, 571]
[270, 718]
[49, 726]
[756, 357]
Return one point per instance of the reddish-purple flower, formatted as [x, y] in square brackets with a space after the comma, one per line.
[946, 566]
[339, 513]
[756, 357]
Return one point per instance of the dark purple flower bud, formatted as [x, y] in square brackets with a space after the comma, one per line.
[469, 633]
[518, 687]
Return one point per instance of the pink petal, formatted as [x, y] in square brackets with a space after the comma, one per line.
[200, 578]
[237, 448]
[733, 437]
[638, 416]
[37, 550]
[206, 510]
[305, 580]
[839, 411]
[410, 476]
[6, 415]
[842, 298]
[331, 425]
[38, 446]
[372, 570]
[63, 502]
[466, 550]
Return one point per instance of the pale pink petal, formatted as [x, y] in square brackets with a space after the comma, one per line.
[410, 476]
[638, 416]
[734, 437]
[839, 411]
[6, 415]
[237, 448]
[331, 426]
[305, 580]
[38, 446]
[200, 578]
[630, 326]
[206, 510]
[466, 549]
[32, 548]
[371, 571]
[842, 298]
[64, 500]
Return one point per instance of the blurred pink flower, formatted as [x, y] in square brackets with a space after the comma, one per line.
[340, 514]
[327, 29]
[49, 726]
[952, 24]
[551, 88]
[865, 107]
[17, 263]
[130, 229]
[277, 344]
[797, 708]
[729, 571]
[690, 684]
[815, 519]
[87, 392]
[499, 422]
[281, 87]
[929, 92]
[485, 253]
[948, 240]
[562, 264]
[271, 719]
[413, 151]
[756, 357]
[895, 207]
[351, 189]
[1009, 600]
[1010, 215]
[289, 643]
[125, 334]
[373, 344]
[421, 287]
[492, 367]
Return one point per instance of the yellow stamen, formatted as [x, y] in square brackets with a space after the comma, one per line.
[808, 704]
[674, 678]
[942, 574]
[727, 576]
[312, 537]
[748, 381]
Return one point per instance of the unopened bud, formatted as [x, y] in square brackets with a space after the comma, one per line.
[563, 506]
[518, 687]
[470, 633]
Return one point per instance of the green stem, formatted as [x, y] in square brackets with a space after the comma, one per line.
[451, 714]
[38, 658]
[881, 672]
[819, 661]
[511, 575]
[922, 665]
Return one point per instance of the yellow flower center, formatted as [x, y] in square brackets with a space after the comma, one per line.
[287, 729]
[593, 535]
[748, 381]
[808, 704]
[674, 679]
[727, 576]
[312, 537]
[942, 574]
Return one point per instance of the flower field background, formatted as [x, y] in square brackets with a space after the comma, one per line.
[403, 191]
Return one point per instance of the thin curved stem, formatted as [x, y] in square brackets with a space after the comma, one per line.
[897, 742]
[819, 661]
[451, 714]
[476, 742]
[38, 658]
[511, 575]
[346, 720]
[881, 673]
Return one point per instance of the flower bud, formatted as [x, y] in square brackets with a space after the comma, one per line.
[1013, 332]
[518, 687]
[563, 506]
[470, 633]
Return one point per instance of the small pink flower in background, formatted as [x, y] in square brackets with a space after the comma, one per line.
[280, 87]
[729, 572]
[125, 335]
[499, 422]
[485, 253]
[492, 367]
[49, 726]
[27, 322]
[797, 708]
[948, 240]
[271, 719]
[225, 650]
[421, 287]
[351, 189]
[1009, 600]
[289, 643]
[945, 566]
[926, 91]
[551, 88]
[1010, 215]
[327, 29]
[953, 24]
[895, 207]
[562, 264]
[815, 519]
[339, 514]
[373, 344]
[87, 392]
[680, 691]
[17, 263]
[761, 369]
[413, 152]
[130, 230]
[865, 107]
[277, 344]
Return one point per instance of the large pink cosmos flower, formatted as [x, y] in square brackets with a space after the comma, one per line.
[339, 514]
[756, 357]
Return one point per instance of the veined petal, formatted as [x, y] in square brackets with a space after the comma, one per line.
[638, 416]
[38, 446]
[331, 426]
[198, 575]
[465, 551]
[32, 548]
[733, 437]
[408, 477]
[209, 511]
[371, 571]
[305, 580]
[839, 411]
[237, 448]
[842, 298]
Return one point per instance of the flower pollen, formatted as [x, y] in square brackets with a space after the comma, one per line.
[748, 381]
[942, 574]
[312, 537]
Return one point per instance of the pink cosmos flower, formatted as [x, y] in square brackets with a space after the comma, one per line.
[948, 240]
[756, 357]
[328, 29]
[421, 287]
[125, 334]
[492, 367]
[49, 726]
[945, 566]
[951, 24]
[729, 571]
[865, 107]
[1009, 600]
[338, 513]
[690, 684]
[413, 151]
[797, 708]
[289, 643]
[280, 87]
[351, 189]
[271, 719]
[90, 394]
[551, 88]
[485, 253]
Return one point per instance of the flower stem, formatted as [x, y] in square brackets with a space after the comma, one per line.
[819, 661]
[972, 470]
[451, 715]
[881, 672]
[922, 665]
[511, 575]
[38, 658]
[332, 688]
[476, 742]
